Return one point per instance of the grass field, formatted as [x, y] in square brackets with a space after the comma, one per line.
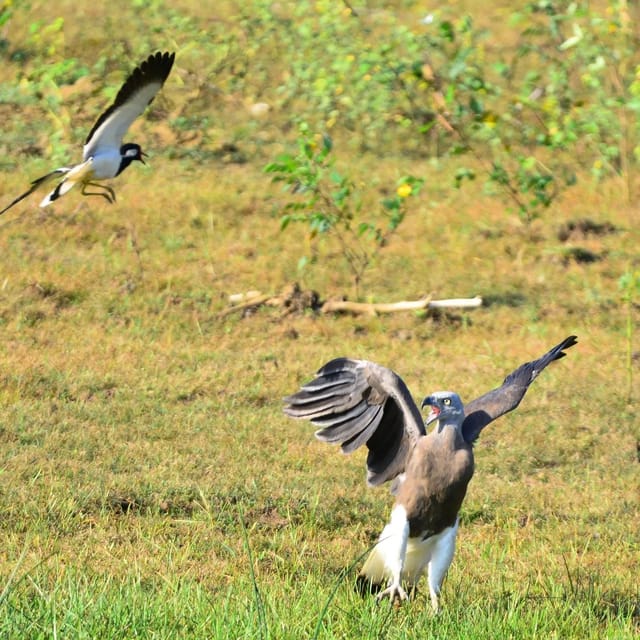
[150, 486]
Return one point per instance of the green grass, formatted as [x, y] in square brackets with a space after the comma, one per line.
[88, 606]
[150, 486]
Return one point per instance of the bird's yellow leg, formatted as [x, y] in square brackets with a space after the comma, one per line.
[110, 196]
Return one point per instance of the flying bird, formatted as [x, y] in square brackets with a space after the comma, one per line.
[356, 402]
[104, 156]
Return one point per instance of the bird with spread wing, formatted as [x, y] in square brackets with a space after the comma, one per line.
[357, 402]
[104, 156]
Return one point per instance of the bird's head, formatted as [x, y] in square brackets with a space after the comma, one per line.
[446, 406]
[131, 151]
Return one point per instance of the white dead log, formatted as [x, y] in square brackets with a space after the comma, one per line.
[456, 303]
[250, 301]
[237, 298]
[242, 301]
[373, 308]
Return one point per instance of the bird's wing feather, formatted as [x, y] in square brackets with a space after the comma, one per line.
[490, 406]
[80, 173]
[38, 182]
[136, 94]
[356, 402]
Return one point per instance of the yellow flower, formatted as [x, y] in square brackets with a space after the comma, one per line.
[315, 141]
[404, 190]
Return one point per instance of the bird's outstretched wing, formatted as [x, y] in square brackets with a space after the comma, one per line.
[37, 183]
[356, 402]
[136, 94]
[485, 409]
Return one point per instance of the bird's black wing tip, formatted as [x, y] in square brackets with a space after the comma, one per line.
[166, 57]
[159, 63]
[565, 344]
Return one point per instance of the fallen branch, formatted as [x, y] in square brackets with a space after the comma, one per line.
[293, 299]
[255, 300]
[373, 308]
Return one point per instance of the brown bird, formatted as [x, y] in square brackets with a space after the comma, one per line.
[358, 402]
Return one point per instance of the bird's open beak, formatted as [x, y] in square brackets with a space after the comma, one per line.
[142, 156]
[434, 413]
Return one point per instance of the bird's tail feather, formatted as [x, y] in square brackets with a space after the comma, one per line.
[374, 568]
[374, 574]
[80, 173]
[60, 190]
[38, 182]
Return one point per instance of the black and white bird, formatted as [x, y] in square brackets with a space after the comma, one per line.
[104, 155]
[356, 402]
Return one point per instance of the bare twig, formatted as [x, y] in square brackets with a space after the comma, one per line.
[252, 301]
[373, 308]
[256, 299]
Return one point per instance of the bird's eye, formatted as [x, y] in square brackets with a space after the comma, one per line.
[447, 401]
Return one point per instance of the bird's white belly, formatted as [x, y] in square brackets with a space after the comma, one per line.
[105, 165]
[415, 557]
[421, 552]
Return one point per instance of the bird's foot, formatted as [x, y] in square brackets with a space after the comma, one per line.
[434, 601]
[395, 593]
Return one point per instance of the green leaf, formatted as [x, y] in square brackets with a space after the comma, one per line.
[476, 106]
[462, 174]
[364, 227]
[447, 31]
[391, 204]
[307, 149]
[284, 222]
[336, 178]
